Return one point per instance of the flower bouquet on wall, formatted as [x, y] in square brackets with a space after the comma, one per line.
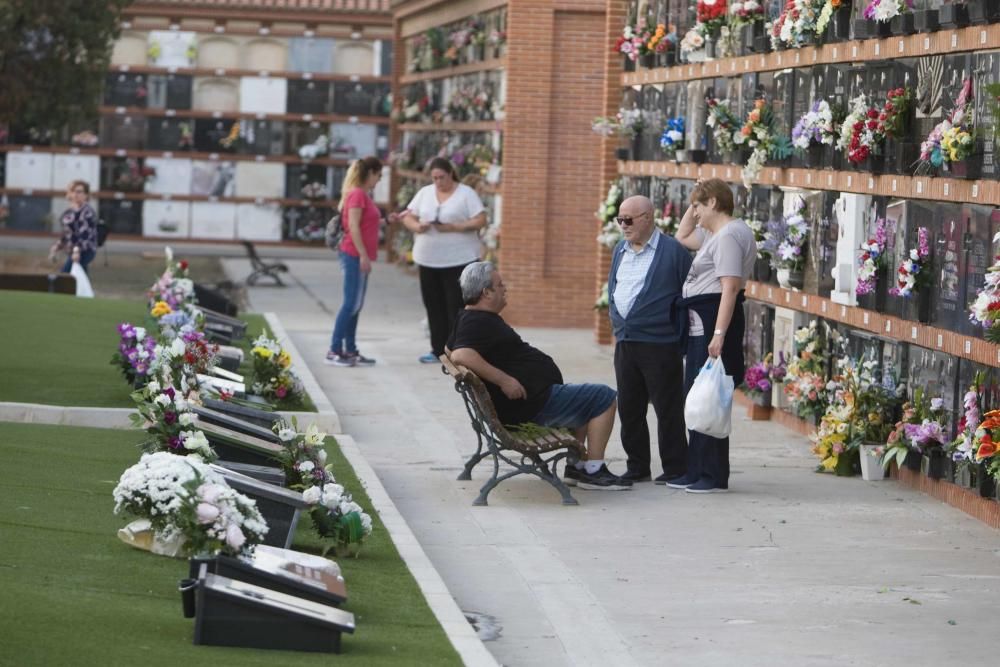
[805, 380]
[866, 128]
[643, 42]
[974, 450]
[272, 377]
[189, 507]
[672, 139]
[985, 310]
[758, 133]
[837, 438]
[334, 513]
[667, 218]
[746, 19]
[920, 432]
[797, 25]
[725, 125]
[611, 231]
[952, 141]
[785, 242]
[835, 20]
[627, 125]
[913, 276]
[711, 17]
[815, 131]
[694, 46]
[882, 18]
[872, 268]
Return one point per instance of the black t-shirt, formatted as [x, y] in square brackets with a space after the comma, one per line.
[500, 346]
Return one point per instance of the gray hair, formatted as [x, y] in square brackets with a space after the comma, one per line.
[476, 277]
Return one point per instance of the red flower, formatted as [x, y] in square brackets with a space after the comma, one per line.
[183, 264]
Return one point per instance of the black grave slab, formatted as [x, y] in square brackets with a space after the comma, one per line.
[360, 99]
[257, 416]
[125, 89]
[281, 508]
[235, 423]
[209, 133]
[978, 259]
[122, 216]
[126, 132]
[309, 96]
[169, 91]
[947, 287]
[30, 214]
[165, 133]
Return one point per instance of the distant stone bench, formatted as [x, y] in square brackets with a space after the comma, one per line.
[55, 283]
[523, 449]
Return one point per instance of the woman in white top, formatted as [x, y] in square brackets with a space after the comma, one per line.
[713, 297]
[445, 218]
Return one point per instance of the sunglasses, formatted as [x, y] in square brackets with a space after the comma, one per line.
[626, 220]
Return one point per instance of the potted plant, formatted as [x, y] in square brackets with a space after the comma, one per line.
[757, 386]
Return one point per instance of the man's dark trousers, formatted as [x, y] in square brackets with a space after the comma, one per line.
[652, 373]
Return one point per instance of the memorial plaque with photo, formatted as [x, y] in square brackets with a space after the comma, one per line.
[360, 99]
[987, 72]
[895, 362]
[937, 373]
[946, 287]
[167, 134]
[169, 91]
[652, 107]
[123, 216]
[308, 96]
[262, 137]
[978, 259]
[125, 90]
[128, 132]
[209, 134]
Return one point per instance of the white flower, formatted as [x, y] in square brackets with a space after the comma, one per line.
[153, 387]
[312, 495]
[140, 334]
[186, 419]
[332, 495]
[162, 400]
[321, 456]
[286, 434]
[177, 348]
[195, 441]
[305, 467]
[313, 435]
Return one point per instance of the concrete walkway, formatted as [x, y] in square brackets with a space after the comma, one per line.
[790, 568]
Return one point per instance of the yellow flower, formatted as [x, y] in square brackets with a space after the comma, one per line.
[262, 352]
[284, 360]
[160, 308]
[830, 462]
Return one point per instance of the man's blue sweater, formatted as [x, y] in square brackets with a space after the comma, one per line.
[653, 317]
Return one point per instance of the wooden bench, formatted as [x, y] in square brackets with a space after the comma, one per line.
[525, 453]
[262, 268]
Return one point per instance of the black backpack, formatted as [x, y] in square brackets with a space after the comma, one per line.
[102, 233]
[334, 232]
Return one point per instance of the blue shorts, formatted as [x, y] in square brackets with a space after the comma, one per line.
[573, 405]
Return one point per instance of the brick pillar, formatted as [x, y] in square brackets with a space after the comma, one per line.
[552, 160]
[616, 11]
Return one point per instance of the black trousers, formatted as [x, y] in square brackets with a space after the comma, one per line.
[442, 297]
[652, 373]
[708, 457]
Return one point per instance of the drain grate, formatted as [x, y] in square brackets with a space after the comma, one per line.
[487, 627]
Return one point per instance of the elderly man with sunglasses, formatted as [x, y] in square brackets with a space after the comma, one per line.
[648, 269]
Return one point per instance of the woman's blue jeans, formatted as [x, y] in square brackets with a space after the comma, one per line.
[86, 257]
[355, 285]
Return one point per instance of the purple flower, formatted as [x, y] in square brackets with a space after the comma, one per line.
[169, 417]
[175, 442]
[169, 391]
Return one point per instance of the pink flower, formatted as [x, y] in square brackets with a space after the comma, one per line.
[207, 513]
[209, 492]
[234, 536]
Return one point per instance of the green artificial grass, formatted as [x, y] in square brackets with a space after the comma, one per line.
[73, 594]
[57, 349]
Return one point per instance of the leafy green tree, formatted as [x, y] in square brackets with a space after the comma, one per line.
[54, 56]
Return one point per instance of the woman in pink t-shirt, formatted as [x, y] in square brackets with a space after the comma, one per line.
[360, 218]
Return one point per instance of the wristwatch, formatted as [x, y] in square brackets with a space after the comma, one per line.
[719, 332]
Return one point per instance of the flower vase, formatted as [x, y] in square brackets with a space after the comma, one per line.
[698, 156]
[831, 157]
[711, 42]
[622, 153]
[848, 463]
[871, 463]
[963, 474]
[902, 24]
[637, 146]
[984, 11]
[629, 64]
[863, 29]
[926, 20]
[680, 156]
[813, 156]
[648, 61]
[874, 164]
[667, 58]
[932, 463]
[760, 406]
[971, 168]
[187, 588]
[955, 15]
[985, 482]
[912, 461]
[762, 270]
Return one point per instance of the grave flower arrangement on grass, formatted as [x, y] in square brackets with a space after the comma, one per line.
[165, 415]
[914, 272]
[985, 310]
[173, 290]
[136, 353]
[183, 499]
[271, 376]
[921, 429]
[872, 259]
[334, 513]
[180, 359]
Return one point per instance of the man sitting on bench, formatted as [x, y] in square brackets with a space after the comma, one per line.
[525, 384]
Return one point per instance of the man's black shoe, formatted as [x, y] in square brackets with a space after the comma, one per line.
[632, 476]
[572, 475]
[603, 480]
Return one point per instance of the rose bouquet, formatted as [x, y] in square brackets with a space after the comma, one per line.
[892, 117]
[860, 135]
[184, 498]
[872, 259]
[693, 41]
[632, 43]
[165, 415]
[914, 272]
[711, 14]
[136, 353]
[272, 375]
[952, 139]
[746, 12]
[333, 511]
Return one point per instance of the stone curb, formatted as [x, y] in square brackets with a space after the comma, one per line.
[461, 634]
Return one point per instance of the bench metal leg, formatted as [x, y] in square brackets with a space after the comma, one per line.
[473, 461]
[537, 467]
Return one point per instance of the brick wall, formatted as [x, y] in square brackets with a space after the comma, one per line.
[552, 160]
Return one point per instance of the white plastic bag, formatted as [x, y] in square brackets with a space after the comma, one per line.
[709, 405]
